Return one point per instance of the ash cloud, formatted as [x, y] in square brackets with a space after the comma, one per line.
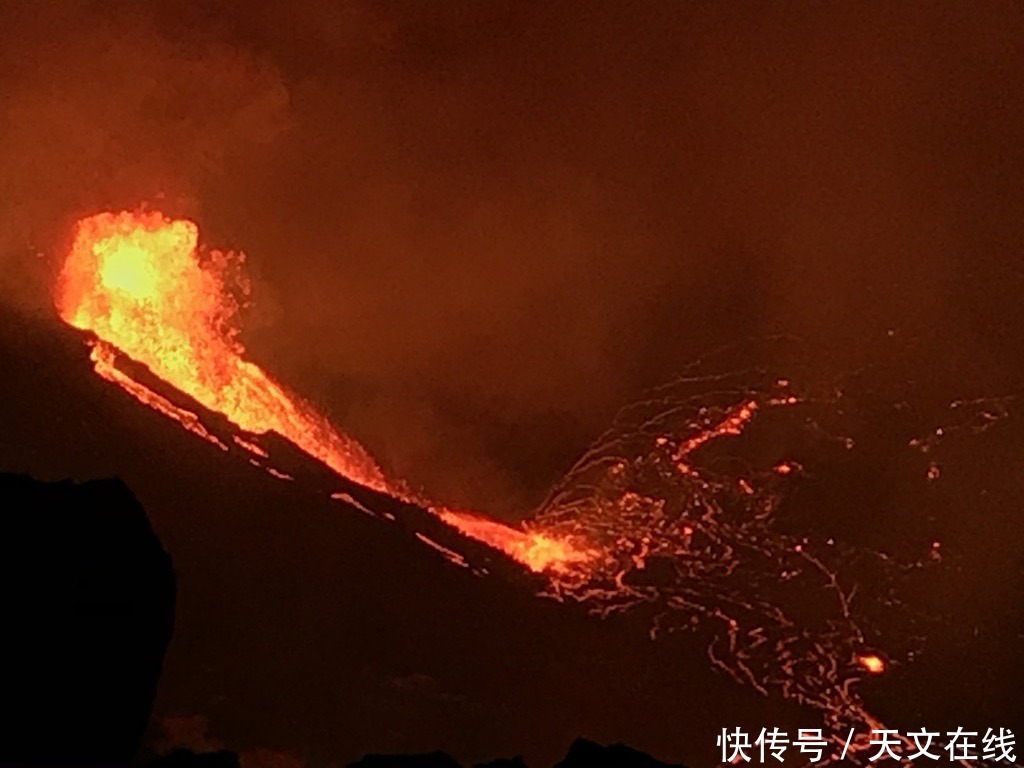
[476, 229]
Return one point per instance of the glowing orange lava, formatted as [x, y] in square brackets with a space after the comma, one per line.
[871, 663]
[142, 285]
[732, 424]
[536, 550]
[138, 281]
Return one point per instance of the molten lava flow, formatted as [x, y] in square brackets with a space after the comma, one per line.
[670, 522]
[536, 550]
[105, 364]
[140, 283]
[640, 519]
[732, 424]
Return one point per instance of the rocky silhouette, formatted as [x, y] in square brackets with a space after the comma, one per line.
[186, 758]
[87, 603]
[428, 760]
[503, 762]
[583, 753]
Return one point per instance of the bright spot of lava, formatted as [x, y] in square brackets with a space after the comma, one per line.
[140, 282]
[871, 663]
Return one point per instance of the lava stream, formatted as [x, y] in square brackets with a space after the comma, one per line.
[637, 501]
[140, 282]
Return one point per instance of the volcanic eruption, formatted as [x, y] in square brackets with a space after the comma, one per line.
[604, 370]
[140, 282]
[135, 280]
[637, 520]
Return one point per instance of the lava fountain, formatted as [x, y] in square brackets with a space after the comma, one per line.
[143, 285]
[138, 283]
[638, 519]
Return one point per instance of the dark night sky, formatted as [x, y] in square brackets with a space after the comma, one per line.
[476, 230]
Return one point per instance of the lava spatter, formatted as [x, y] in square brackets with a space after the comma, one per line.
[644, 516]
[141, 283]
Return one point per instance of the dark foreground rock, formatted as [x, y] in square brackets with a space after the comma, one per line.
[582, 754]
[428, 760]
[504, 762]
[87, 609]
[585, 754]
[186, 758]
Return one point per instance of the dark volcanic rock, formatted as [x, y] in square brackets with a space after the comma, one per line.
[587, 754]
[582, 754]
[186, 758]
[87, 608]
[429, 760]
